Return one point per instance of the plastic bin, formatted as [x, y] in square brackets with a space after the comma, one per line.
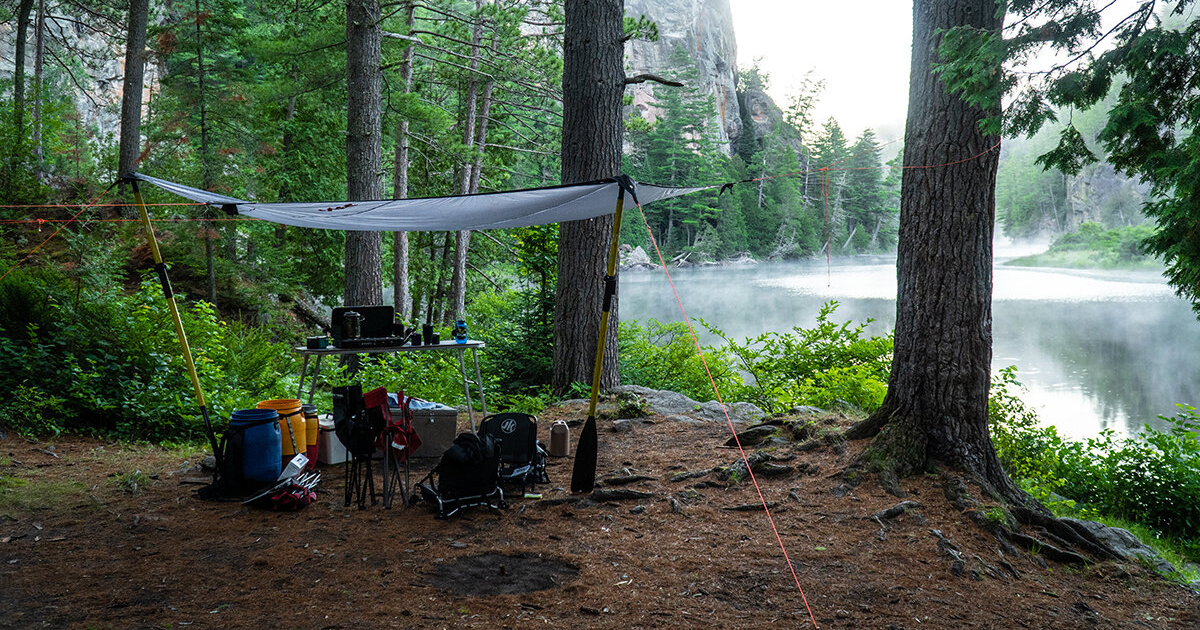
[436, 425]
[329, 448]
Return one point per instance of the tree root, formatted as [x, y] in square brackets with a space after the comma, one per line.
[898, 451]
[1058, 536]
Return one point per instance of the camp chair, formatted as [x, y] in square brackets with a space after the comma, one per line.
[522, 459]
[397, 441]
[358, 420]
[468, 475]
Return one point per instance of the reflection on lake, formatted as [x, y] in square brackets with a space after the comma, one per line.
[1096, 349]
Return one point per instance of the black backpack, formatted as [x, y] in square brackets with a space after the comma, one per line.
[470, 466]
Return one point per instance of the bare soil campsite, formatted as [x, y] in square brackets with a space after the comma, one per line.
[96, 534]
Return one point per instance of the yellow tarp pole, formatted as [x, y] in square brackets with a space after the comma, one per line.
[583, 476]
[161, 269]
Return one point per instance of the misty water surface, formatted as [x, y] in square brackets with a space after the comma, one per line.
[1095, 349]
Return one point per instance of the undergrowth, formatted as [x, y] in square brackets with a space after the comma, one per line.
[1151, 479]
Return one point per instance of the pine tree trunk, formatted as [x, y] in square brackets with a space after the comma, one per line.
[593, 83]
[23, 10]
[131, 90]
[936, 404]
[39, 58]
[210, 229]
[462, 239]
[401, 293]
[364, 146]
[16, 157]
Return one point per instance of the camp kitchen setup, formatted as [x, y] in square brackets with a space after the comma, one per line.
[268, 456]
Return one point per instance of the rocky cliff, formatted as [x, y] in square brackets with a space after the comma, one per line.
[101, 72]
[705, 29]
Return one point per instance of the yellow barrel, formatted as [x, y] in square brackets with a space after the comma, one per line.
[312, 426]
[292, 430]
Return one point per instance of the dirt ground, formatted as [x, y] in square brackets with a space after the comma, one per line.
[80, 549]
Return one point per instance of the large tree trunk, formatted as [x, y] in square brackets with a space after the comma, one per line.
[364, 146]
[131, 90]
[593, 83]
[936, 404]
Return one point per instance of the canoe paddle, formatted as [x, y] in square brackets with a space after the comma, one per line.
[583, 476]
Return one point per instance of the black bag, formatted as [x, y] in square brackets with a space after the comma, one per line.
[470, 466]
[357, 427]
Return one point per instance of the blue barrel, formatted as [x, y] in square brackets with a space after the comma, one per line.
[261, 452]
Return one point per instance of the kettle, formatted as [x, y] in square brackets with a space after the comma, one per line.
[352, 325]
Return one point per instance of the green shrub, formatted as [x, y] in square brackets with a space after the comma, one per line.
[115, 365]
[664, 356]
[1152, 478]
[824, 365]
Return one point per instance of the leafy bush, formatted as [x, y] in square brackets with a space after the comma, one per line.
[1152, 478]
[114, 364]
[824, 365]
[663, 356]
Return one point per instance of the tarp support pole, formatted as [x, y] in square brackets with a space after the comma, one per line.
[583, 477]
[160, 268]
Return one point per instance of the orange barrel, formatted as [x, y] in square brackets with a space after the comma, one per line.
[312, 432]
[292, 432]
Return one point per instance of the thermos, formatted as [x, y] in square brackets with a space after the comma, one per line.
[560, 439]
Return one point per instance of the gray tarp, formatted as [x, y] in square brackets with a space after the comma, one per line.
[485, 211]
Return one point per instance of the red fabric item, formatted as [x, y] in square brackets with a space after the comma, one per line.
[400, 429]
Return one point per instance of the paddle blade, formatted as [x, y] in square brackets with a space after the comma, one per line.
[583, 477]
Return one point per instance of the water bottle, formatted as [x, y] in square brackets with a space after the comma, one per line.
[460, 331]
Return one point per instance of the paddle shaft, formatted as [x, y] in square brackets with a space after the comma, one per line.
[583, 478]
[161, 269]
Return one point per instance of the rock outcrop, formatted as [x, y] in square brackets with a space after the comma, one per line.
[705, 29]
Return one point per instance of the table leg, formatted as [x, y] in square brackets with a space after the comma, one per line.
[303, 371]
[316, 372]
[479, 380]
[462, 368]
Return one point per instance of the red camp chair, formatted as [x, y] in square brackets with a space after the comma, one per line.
[397, 441]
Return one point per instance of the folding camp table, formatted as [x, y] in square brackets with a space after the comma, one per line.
[471, 344]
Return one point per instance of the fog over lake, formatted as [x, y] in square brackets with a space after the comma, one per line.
[1095, 349]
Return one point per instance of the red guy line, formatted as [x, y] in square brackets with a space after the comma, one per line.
[713, 382]
[39, 246]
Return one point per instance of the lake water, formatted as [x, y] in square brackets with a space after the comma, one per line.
[1095, 349]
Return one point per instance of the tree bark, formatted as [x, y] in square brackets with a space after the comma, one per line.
[364, 146]
[401, 294]
[132, 87]
[462, 238]
[39, 58]
[23, 10]
[936, 404]
[593, 83]
[16, 157]
[210, 229]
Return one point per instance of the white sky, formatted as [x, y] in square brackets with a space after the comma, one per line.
[860, 48]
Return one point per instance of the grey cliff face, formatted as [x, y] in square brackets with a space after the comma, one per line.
[705, 29]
